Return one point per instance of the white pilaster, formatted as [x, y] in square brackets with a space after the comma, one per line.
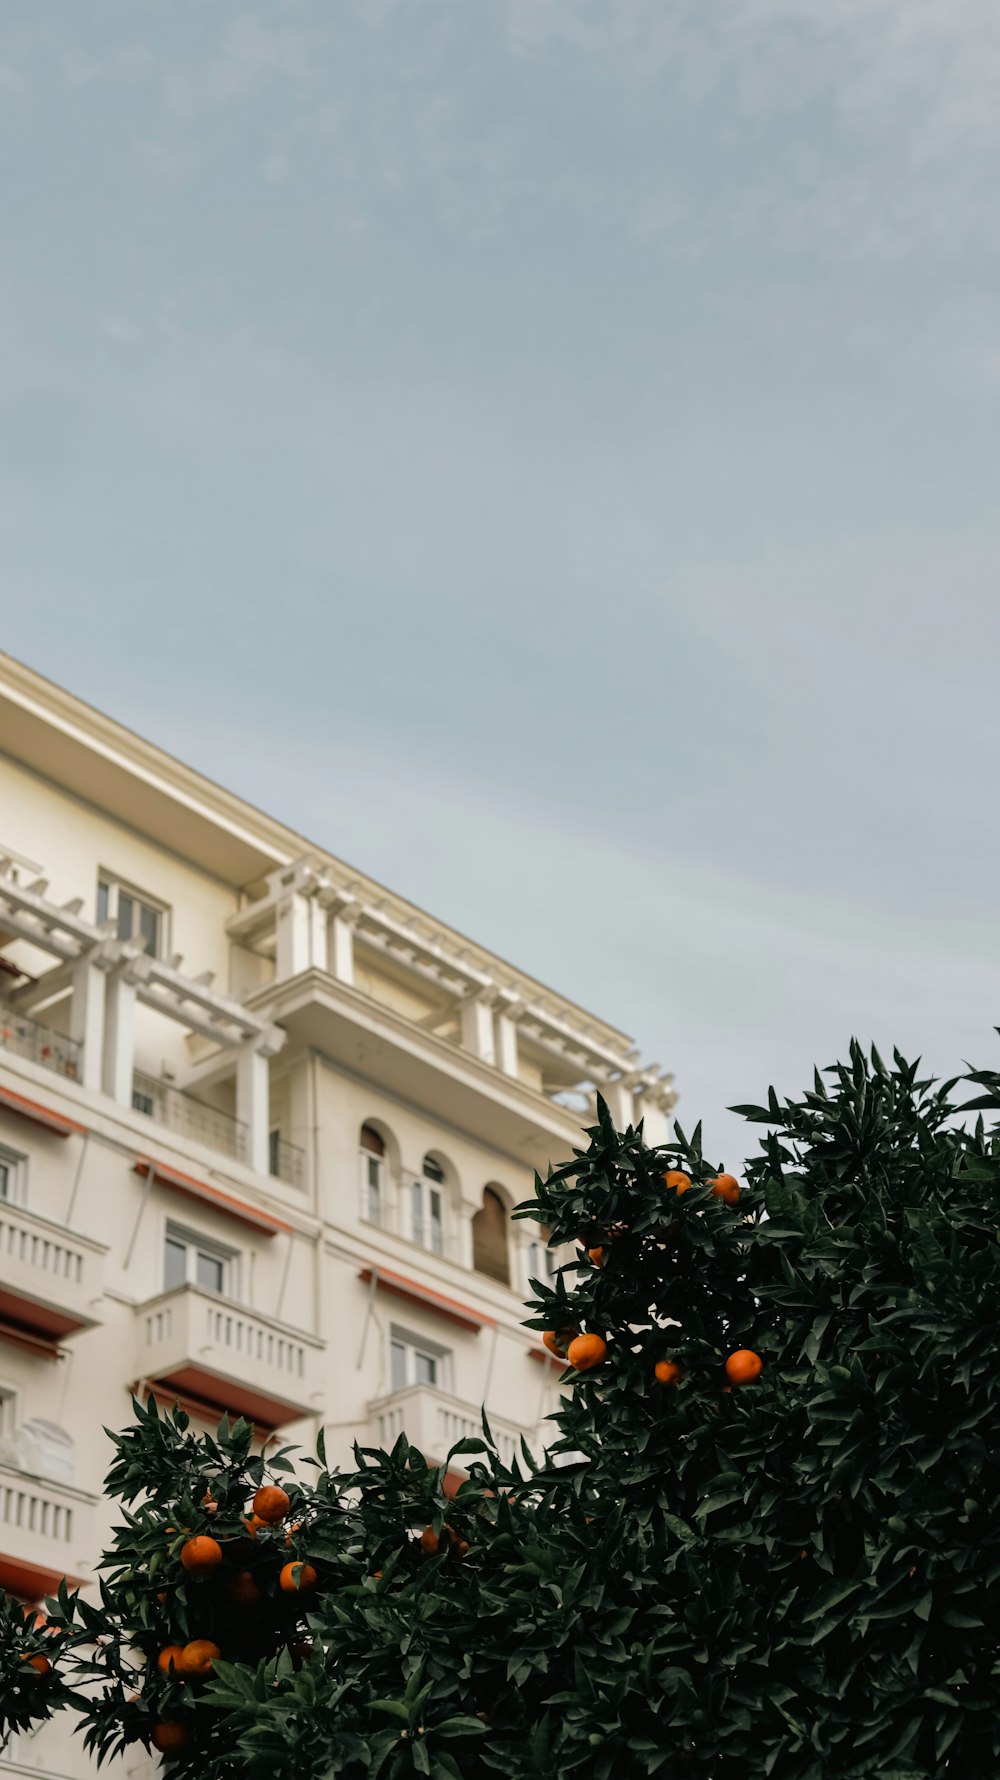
[507, 1044]
[119, 1037]
[340, 946]
[477, 1028]
[86, 1020]
[295, 935]
[253, 1103]
[621, 1103]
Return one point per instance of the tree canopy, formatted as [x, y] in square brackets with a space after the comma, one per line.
[718, 1572]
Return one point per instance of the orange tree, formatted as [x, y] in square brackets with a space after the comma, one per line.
[764, 1543]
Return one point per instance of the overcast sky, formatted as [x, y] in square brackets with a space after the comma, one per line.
[548, 452]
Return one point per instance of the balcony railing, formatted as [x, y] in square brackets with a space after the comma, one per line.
[286, 1161]
[189, 1117]
[207, 1347]
[43, 1525]
[49, 1279]
[40, 1044]
[434, 1421]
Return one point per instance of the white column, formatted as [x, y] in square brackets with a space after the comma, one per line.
[477, 1028]
[253, 1103]
[655, 1122]
[119, 1037]
[295, 936]
[86, 1020]
[466, 1213]
[340, 946]
[507, 1044]
[621, 1103]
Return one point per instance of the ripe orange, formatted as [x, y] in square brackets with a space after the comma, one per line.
[209, 1503]
[296, 1524]
[429, 1542]
[197, 1657]
[253, 1525]
[201, 1555]
[586, 1351]
[170, 1658]
[744, 1366]
[271, 1504]
[667, 1371]
[596, 1256]
[297, 1578]
[555, 1341]
[40, 1664]
[676, 1178]
[244, 1590]
[726, 1187]
[168, 1738]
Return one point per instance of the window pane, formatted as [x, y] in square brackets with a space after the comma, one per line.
[417, 1204]
[4, 1181]
[149, 928]
[432, 1169]
[210, 1271]
[374, 1190]
[126, 915]
[102, 903]
[274, 1152]
[175, 1264]
[397, 1358]
[425, 1369]
[436, 1221]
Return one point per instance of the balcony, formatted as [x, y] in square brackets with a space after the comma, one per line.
[218, 1353]
[26, 1037]
[49, 1279]
[45, 1532]
[434, 1421]
[188, 1117]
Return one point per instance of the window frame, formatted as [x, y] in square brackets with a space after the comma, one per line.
[424, 1189]
[114, 886]
[414, 1348]
[15, 1167]
[8, 1409]
[198, 1245]
[369, 1159]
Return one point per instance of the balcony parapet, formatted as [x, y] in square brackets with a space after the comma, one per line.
[50, 1280]
[45, 1532]
[212, 1350]
[434, 1421]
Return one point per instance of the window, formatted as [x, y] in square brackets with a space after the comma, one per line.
[8, 1411]
[274, 1152]
[415, 1361]
[427, 1207]
[135, 917]
[11, 1177]
[144, 1103]
[489, 1238]
[542, 1260]
[191, 1261]
[372, 1175]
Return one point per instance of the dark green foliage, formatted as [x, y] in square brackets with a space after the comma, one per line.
[799, 1578]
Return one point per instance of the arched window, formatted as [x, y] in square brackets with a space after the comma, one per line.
[489, 1238]
[372, 1175]
[427, 1206]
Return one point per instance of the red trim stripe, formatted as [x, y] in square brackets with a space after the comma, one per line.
[227, 1203]
[415, 1293]
[40, 1115]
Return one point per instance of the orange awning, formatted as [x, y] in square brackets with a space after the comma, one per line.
[39, 1114]
[415, 1293]
[227, 1203]
[30, 1582]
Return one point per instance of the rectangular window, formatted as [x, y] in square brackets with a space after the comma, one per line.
[427, 1215]
[12, 1168]
[143, 1103]
[415, 1361]
[190, 1260]
[274, 1152]
[135, 916]
[8, 1411]
[373, 1184]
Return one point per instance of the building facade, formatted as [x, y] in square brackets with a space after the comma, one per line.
[262, 1124]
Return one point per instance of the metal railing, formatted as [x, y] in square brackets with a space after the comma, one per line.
[286, 1161]
[29, 1038]
[181, 1112]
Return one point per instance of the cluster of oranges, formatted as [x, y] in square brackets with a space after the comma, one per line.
[585, 1351]
[202, 1558]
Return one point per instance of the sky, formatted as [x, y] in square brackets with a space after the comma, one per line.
[547, 452]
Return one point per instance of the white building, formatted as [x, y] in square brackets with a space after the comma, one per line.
[261, 1125]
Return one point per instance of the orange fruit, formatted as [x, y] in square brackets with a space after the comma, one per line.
[596, 1255]
[40, 1664]
[297, 1579]
[667, 1372]
[744, 1366]
[197, 1657]
[586, 1351]
[253, 1525]
[556, 1343]
[460, 1547]
[170, 1658]
[726, 1187]
[201, 1555]
[296, 1524]
[168, 1738]
[209, 1503]
[429, 1542]
[271, 1504]
[677, 1179]
[244, 1590]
